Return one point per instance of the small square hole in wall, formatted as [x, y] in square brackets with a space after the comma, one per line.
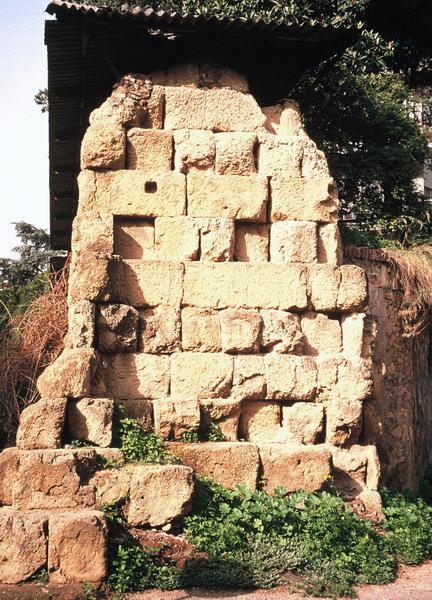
[150, 187]
[134, 237]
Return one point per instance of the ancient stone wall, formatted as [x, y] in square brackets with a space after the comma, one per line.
[206, 288]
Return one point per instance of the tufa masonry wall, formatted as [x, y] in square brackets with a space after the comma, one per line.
[206, 286]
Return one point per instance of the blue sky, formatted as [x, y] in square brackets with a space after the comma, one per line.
[23, 128]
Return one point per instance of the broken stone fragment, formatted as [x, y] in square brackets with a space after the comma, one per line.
[41, 425]
[216, 239]
[81, 325]
[293, 241]
[353, 288]
[90, 420]
[176, 238]
[150, 504]
[175, 416]
[117, 326]
[282, 332]
[112, 485]
[225, 413]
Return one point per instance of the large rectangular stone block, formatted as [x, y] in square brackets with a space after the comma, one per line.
[235, 153]
[322, 334]
[293, 241]
[144, 194]
[290, 377]
[232, 196]
[150, 283]
[201, 330]
[277, 157]
[136, 375]
[304, 199]
[324, 282]
[177, 238]
[149, 150]
[245, 285]
[201, 375]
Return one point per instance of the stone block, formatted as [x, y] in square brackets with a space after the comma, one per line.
[225, 413]
[354, 378]
[324, 281]
[92, 232]
[154, 119]
[9, 464]
[81, 325]
[175, 416]
[251, 242]
[94, 277]
[304, 199]
[282, 332]
[293, 241]
[260, 421]
[280, 157]
[235, 153]
[136, 375]
[160, 330]
[41, 425]
[314, 163]
[49, 479]
[353, 290]
[230, 196]
[294, 467]
[227, 463]
[150, 150]
[249, 380]
[284, 119]
[327, 367]
[140, 409]
[78, 547]
[117, 326]
[353, 329]
[176, 238]
[216, 239]
[134, 237]
[303, 422]
[240, 330]
[23, 545]
[344, 421]
[201, 375]
[149, 487]
[330, 250]
[138, 193]
[290, 377]
[194, 150]
[103, 146]
[112, 485]
[70, 376]
[90, 420]
[245, 285]
[200, 330]
[185, 108]
[355, 469]
[152, 283]
[323, 335]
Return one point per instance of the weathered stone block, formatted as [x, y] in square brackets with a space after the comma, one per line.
[117, 326]
[41, 425]
[324, 281]
[92, 232]
[282, 332]
[355, 469]
[103, 147]
[225, 413]
[304, 199]
[150, 484]
[134, 237]
[144, 194]
[226, 463]
[201, 375]
[314, 163]
[90, 420]
[9, 463]
[290, 377]
[152, 283]
[136, 375]
[160, 329]
[216, 239]
[176, 238]
[223, 285]
[112, 485]
[294, 467]
[94, 277]
[260, 421]
[322, 334]
[49, 479]
[70, 376]
[23, 544]
[229, 196]
[284, 119]
[280, 157]
[240, 330]
[327, 367]
[201, 330]
[353, 288]
[249, 381]
[194, 150]
[154, 119]
[175, 416]
[77, 548]
[353, 333]
[81, 321]
[303, 422]
[235, 153]
[344, 421]
[293, 241]
[150, 150]
[330, 250]
[251, 242]
[354, 378]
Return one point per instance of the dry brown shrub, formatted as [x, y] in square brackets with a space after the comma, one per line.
[32, 342]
